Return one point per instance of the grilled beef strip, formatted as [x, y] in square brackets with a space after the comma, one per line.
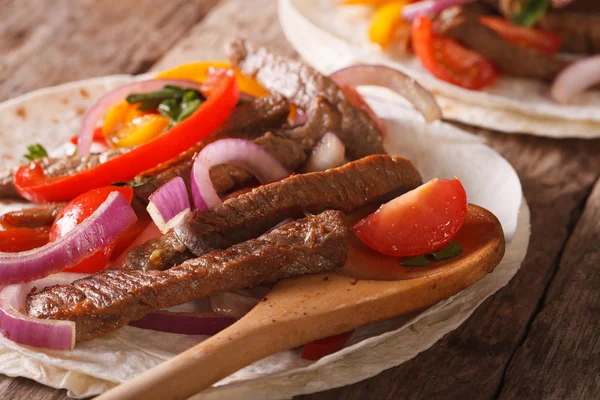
[290, 146]
[462, 24]
[33, 217]
[248, 215]
[110, 299]
[580, 31]
[249, 120]
[300, 84]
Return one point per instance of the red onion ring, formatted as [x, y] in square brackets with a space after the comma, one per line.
[25, 330]
[99, 109]
[429, 8]
[380, 75]
[329, 152]
[243, 153]
[103, 227]
[168, 203]
[576, 78]
[186, 323]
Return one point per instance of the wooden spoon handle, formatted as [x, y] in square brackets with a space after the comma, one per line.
[199, 367]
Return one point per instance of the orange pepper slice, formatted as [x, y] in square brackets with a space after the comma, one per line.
[386, 21]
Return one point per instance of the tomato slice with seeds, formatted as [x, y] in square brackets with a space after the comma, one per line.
[76, 212]
[324, 347]
[418, 222]
[448, 60]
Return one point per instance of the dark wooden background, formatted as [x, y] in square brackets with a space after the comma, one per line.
[539, 337]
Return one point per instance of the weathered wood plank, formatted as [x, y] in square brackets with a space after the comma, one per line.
[43, 45]
[557, 177]
[561, 357]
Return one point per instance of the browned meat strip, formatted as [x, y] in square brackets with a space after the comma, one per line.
[34, 217]
[300, 84]
[462, 24]
[111, 299]
[580, 32]
[248, 215]
[247, 122]
[250, 120]
[290, 146]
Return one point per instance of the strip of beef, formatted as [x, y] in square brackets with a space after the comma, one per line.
[249, 120]
[584, 6]
[300, 84]
[580, 31]
[248, 215]
[111, 299]
[290, 146]
[462, 24]
[33, 217]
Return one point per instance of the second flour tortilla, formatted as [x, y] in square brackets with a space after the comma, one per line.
[330, 37]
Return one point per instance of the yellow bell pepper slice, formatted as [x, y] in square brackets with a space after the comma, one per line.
[386, 21]
[198, 71]
[140, 130]
[115, 117]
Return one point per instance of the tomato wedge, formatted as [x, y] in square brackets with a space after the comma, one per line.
[324, 347]
[76, 212]
[21, 239]
[530, 38]
[448, 60]
[418, 222]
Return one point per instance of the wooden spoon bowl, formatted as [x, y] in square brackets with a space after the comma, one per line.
[307, 308]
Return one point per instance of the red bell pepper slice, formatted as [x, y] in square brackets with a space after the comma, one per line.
[21, 239]
[31, 183]
[324, 347]
[448, 60]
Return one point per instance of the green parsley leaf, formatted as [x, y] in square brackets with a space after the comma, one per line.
[531, 12]
[36, 151]
[453, 249]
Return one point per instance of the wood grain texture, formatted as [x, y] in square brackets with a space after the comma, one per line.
[561, 357]
[498, 351]
[44, 45]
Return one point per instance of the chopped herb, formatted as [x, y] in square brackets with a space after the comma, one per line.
[530, 12]
[418, 261]
[453, 249]
[133, 184]
[36, 151]
[152, 100]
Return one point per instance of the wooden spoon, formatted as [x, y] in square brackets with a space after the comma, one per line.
[306, 308]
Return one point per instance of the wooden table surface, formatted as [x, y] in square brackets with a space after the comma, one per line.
[536, 338]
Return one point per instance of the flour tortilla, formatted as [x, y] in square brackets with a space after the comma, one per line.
[51, 116]
[330, 37]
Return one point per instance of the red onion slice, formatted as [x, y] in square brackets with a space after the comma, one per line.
[242, 153]
[103, 227]
[169, 204]
[329, 152]
[576, 78]
[25, 330]
[99, 109]
[187, 323]
[429, 8]
[380, 75]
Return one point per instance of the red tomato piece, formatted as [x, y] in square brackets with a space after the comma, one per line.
[75, 213]
[324, 347]
[448, 60]
[418, 222]
[530, 38]
[98, 137]
[21, 239]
